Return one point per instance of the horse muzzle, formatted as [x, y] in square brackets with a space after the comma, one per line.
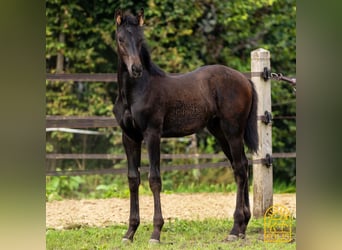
[137, 71]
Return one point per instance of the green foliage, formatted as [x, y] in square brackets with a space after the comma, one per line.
[177, 234]
[182, 35]
[63, 186]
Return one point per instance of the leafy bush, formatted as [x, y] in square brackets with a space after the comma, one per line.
[62, 187]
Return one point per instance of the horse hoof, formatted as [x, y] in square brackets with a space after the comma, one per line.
[154, 241]
[232, 237]
[242, 236]
[126, 241]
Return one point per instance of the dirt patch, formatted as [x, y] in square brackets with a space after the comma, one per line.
[105, 212]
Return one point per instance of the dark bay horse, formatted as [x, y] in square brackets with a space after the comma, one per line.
[152, 104]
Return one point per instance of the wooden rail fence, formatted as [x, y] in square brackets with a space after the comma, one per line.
[262, 162]
[144, 169]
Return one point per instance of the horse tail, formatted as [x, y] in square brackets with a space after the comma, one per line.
[251, 136]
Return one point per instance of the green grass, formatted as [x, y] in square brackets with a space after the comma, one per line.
[176, 234]
[283, 188]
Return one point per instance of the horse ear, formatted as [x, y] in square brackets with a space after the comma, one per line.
[118, 16]
[141, 17]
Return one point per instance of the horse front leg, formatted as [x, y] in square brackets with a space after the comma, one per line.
[152, 139]
[133, 152]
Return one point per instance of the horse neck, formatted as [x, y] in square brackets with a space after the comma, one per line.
[122, 69]
[149, 65]
[128, 86]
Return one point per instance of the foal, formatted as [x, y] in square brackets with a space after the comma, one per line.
[152, 104]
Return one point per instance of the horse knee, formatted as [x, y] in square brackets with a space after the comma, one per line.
[133, 183]
[155, 184]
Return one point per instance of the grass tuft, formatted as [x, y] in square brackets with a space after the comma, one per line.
[177, 234]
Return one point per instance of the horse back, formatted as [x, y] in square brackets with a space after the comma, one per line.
[192, 99]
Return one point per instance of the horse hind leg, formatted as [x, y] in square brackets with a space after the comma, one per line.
[245, 190]
[215, 129]
[242, 213]
[234, 138]
[246, 210]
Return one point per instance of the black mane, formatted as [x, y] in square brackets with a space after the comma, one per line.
[152, 68]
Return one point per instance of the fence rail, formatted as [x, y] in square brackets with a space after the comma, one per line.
[144, 169]
[106, 77]
[98, 77]
[80, 122]
[106, 122]
[145, 156]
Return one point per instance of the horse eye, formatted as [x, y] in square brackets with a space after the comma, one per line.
[121, 40]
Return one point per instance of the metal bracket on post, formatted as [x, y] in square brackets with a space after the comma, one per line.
[268, 160]
[266, 74]
[267, 117]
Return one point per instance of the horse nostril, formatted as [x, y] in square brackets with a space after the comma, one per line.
[137, 70]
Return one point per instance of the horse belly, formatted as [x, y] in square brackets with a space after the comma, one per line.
[185, 119]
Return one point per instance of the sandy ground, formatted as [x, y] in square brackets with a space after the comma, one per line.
[105, 212]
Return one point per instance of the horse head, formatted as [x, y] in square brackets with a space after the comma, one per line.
[129, 40]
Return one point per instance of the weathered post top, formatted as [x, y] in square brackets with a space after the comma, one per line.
[260, 58]
[261, 53]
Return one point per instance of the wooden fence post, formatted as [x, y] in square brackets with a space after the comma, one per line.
[262, 174]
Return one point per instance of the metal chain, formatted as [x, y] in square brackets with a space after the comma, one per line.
[279, 77]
